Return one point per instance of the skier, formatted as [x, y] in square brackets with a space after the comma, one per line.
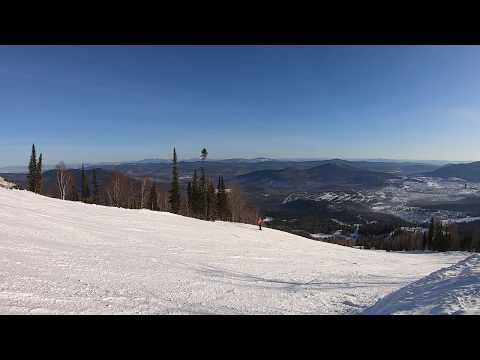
[259, 222]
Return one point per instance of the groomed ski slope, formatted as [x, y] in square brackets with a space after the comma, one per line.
[453, 290]
[66, 257]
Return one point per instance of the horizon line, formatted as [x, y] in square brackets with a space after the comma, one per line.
[193, 159]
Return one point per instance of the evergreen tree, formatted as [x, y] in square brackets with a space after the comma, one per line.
[203, 188]
[440, 238]
[32, 182]
[85, 191]
[38, 180]
[211, 202]
[223, 212]
[444, 239]
[447, 238]
[203, 195]
[38, 175]
[189, 198]
[431, 232]
[467, 242]
[203, 154]
[153, 199]
[195, 195]
[220, 199]
[94, 187]
[174, 198]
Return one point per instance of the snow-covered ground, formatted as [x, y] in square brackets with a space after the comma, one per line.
[454, 290]
[68, 257]
[5, 184]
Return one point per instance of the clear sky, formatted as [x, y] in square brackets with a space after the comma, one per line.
[114, 103]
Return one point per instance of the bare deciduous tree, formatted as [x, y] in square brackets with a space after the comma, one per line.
[241, 211]
[114, 188]
[122, 191]
[144, 190]
[64, 180]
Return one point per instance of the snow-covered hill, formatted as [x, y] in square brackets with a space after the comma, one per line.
[68, 257]
[454, 290]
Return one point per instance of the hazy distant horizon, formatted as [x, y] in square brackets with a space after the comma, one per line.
[110, 103]
[13, 168]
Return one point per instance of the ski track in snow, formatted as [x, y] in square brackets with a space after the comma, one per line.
[61, 257]
[453, 290]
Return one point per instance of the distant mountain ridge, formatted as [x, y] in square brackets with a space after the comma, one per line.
[160, 169]
[469, 171]
[337, 173]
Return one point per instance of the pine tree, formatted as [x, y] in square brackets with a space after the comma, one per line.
[444, 244]
[431, 232]
[203, 154]
[38, 180]
[220, 196]
[223, 211]
[174, 198]
[94, 187]
[32, 171]
[202, 196]
[153, 199]
[211, 202]
[195, 194]
[85, 193]
[440, 239]
[189, 198]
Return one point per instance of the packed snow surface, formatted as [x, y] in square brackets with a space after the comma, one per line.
[454, 290]
[72, 258]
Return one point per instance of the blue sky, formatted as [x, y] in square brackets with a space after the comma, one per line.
[114, 103]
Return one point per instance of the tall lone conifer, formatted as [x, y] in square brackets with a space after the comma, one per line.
[203, 154]
[203, 195]
[38, 180]
[32, 171]
[174, 198]
[203, 187]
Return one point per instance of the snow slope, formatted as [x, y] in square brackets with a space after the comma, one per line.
[68, 257]
[454, 290]
[5, 184]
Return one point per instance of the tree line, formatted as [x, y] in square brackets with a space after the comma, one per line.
[440, 236]
[202, 197]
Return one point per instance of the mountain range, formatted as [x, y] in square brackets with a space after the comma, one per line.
[470, 171]
[331, 174]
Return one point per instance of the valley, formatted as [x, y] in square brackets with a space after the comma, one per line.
[319, 196]
[414, 199]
